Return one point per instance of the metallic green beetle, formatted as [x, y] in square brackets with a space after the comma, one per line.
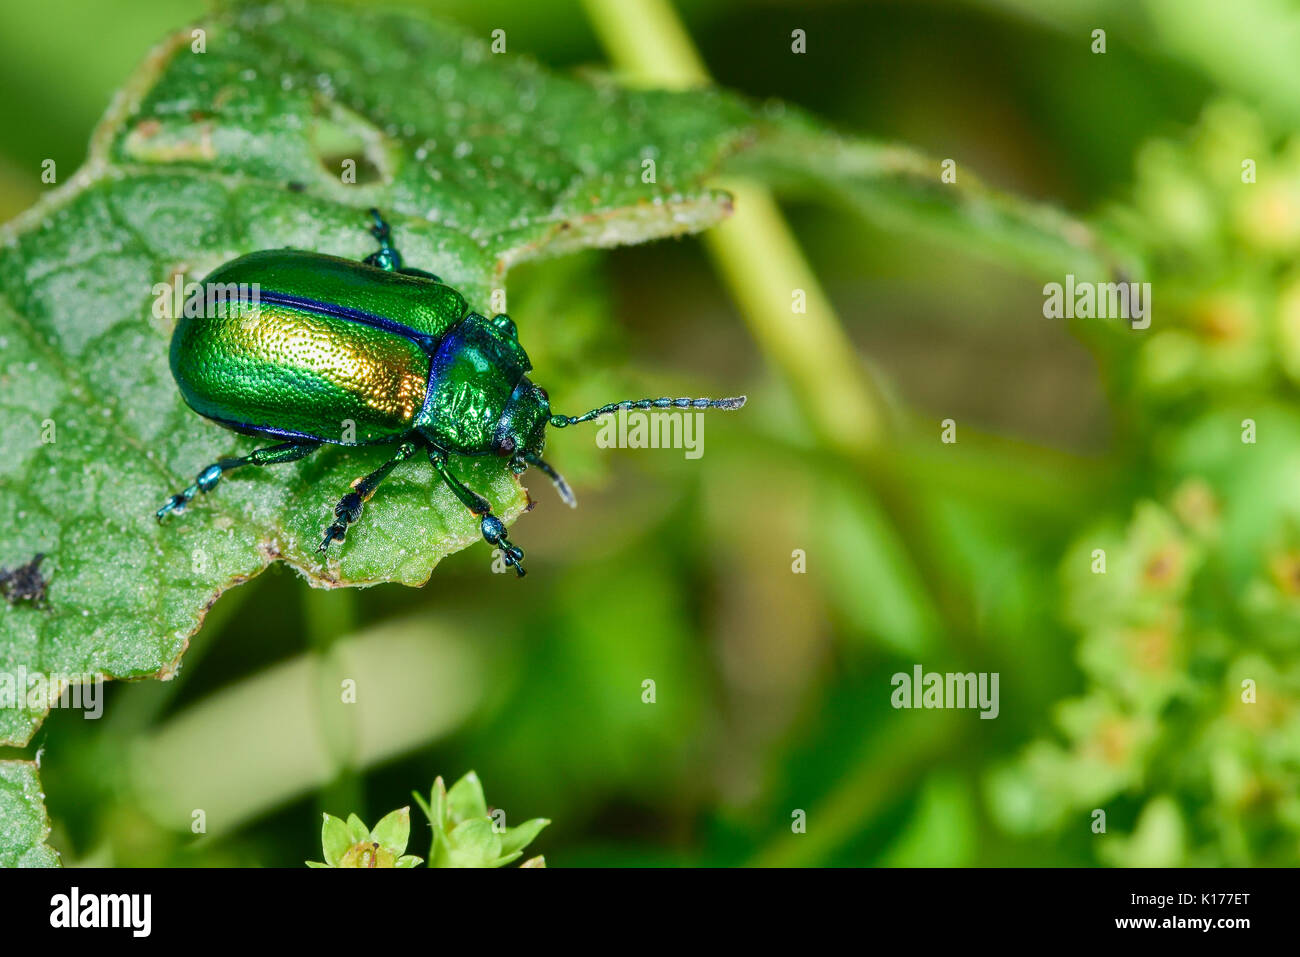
[317, 350]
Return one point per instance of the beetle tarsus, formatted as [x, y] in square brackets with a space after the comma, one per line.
[347, 511]
[208, 478]
[494, 533]
[176, 503]
[204, 482]
[334, 533]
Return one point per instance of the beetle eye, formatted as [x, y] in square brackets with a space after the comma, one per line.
[507, 445]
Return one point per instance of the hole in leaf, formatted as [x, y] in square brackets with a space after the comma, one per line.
[349, 149]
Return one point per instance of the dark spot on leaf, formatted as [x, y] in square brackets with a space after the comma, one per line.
[295, 187]
[24, 583]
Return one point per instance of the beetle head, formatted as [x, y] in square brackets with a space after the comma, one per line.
[521, 434]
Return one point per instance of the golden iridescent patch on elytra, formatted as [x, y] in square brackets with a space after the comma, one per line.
[370, 364]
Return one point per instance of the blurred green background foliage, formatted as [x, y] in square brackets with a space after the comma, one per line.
[1120, 692]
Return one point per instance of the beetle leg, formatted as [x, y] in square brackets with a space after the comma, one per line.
[208, 478]
[348, 510]
[493, 529]
[388, 258]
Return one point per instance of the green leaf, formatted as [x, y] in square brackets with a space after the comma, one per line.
[436, 811]
[480, 162]
[464, 835]
[423, 805]
[19, 721]
[438, 796]
[899, 188]
[473, 843]
[465, 799]
[394, 830]
[335, 839]
[24, 825]
[357, 830]
[517, 838]
[440, 850]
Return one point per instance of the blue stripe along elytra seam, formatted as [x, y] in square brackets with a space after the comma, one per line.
[356, 315]
[247, 428]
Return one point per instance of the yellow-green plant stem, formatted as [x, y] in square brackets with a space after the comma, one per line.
[417, 681]
[330, 615]
[761, 263]
[755, 251]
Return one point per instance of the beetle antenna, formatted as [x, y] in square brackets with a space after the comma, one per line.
[561, 486]
[560, 421]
